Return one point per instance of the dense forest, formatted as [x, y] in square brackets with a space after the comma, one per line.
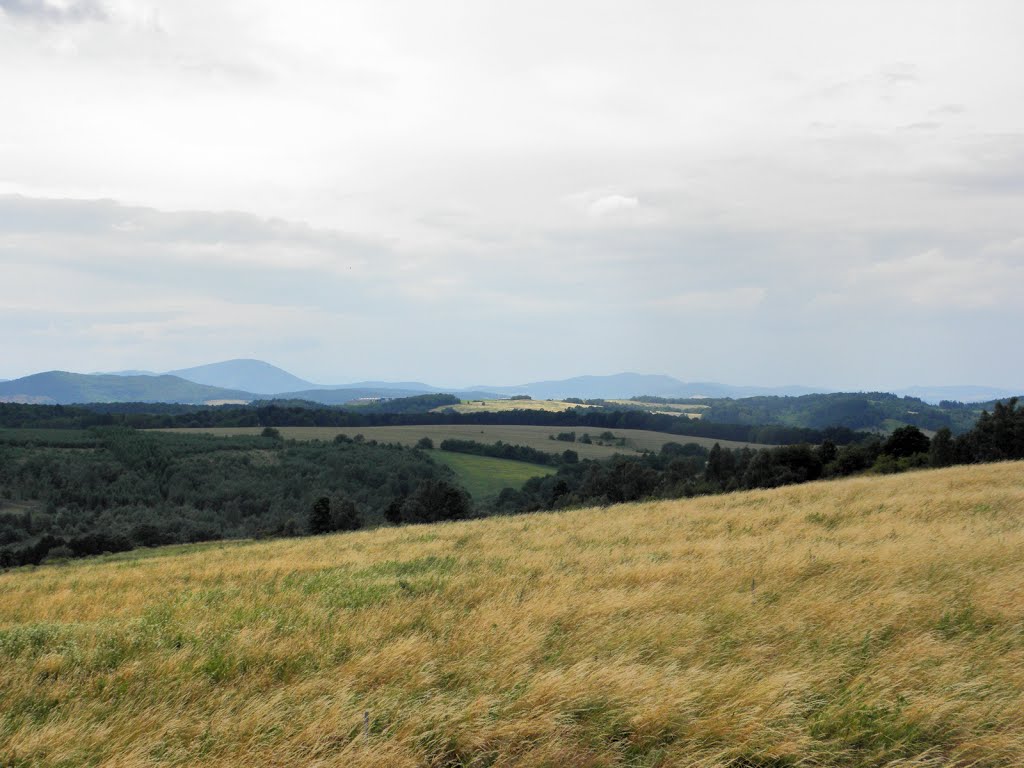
[111, 489]
[854, 410]
[690, 470]
[147, 416]
[66, 493]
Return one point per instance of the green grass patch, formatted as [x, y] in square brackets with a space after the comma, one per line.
[484, 476]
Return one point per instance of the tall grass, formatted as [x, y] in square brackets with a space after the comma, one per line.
[875, 621]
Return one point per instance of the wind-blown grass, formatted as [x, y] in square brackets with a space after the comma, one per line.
[873, 621]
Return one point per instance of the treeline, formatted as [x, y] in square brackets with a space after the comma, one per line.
[854, 410]
[413, 404]
[690, 470]
[273, 415]
[500, 450]
[117, 489]
[112, 489]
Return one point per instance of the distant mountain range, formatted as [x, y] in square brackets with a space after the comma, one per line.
[622, 385]
[246, 380]
[61, 387]
[248, 375]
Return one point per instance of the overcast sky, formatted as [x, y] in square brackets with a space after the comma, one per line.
[826, 193]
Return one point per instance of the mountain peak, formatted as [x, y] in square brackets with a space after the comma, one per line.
[246, 374]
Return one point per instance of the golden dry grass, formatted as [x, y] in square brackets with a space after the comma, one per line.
[873, 621]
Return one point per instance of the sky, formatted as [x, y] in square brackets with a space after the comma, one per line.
[479, 192]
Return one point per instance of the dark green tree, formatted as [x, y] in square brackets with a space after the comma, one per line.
[942, 452]
[320, 516]
[721, 465]
[393, 511]
[827, 452]
[906, 441]
[1000, 435]
[346, 517]
[435, 500]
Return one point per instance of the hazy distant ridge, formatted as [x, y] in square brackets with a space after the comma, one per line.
[621, 385]
[62, 387]
[247, 379]
[247, 375]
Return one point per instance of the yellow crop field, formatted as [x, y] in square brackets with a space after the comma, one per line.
[482, 406]
[867, 622]
[636, 440]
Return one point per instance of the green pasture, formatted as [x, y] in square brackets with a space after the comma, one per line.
[484, 476]
[636, 440]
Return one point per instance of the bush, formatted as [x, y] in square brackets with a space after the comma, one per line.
[906, 441]
[346, 518]
[433, 501]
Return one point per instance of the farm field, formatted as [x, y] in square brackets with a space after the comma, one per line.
[504, 404]
[866, 622]
[485, 476]
[693, 411]
[534, 437]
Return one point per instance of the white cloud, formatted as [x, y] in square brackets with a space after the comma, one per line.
[483, 172]
[934, 280]
[610, 205]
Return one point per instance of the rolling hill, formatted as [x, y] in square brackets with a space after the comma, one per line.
[247, 379]
[622, 385]
[61, 387]
[874, 621]
[245, 375]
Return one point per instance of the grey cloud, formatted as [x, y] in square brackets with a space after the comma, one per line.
[110, 219]
[901, 74]
[992, 165]
[87, 277]
[42, 10]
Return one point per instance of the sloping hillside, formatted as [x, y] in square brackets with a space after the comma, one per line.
[62, 387]
[875, 621]
[246, 375]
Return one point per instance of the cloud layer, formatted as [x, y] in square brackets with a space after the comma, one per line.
[822, 193]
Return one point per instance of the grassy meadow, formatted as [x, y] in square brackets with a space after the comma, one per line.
[636, 440]
[485, 476]
[866, 622]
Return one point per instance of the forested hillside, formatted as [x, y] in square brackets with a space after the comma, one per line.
[876, 411]
[80, 493]
[404, 411]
